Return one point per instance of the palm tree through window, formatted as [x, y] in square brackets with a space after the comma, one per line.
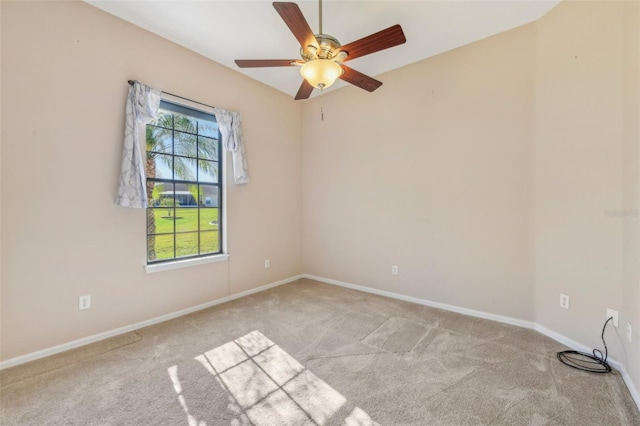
[184, 185]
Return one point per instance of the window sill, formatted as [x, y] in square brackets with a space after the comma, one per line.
[178, 264]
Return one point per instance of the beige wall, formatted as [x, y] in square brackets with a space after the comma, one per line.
[64, 73]
[587, 164]
[0, 182]
[485, 174]
[631, 287]
[434, 173]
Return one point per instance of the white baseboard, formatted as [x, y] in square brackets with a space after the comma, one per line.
[630, 385]
[444, 306]
[471, 312]
[493, 317]
[576, 346]
[126, 329]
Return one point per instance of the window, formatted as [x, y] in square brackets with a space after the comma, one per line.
[184, 184]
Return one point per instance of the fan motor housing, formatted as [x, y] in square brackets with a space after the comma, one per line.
[327, 48]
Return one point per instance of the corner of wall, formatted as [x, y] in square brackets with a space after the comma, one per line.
[586, 175]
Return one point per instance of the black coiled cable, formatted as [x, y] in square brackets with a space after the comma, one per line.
[593, 363]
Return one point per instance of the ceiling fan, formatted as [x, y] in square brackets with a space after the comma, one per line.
[323, 56]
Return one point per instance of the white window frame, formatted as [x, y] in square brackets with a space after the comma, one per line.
[214, 258]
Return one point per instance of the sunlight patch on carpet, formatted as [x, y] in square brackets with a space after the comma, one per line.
[177, 386]
[270, 387]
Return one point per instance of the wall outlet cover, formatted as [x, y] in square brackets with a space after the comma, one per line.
[611, 313]
[564, 301]
[84, 302]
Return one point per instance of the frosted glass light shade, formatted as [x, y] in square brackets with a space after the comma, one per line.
[321, 73]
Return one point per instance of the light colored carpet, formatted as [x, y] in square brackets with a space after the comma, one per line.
[65, 359]
[311, 353]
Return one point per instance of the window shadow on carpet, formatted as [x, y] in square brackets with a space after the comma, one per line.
[265, 385]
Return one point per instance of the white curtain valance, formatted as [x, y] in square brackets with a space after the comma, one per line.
[229, 125]
[142, 106]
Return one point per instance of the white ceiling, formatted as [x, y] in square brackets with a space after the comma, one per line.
[224, 30]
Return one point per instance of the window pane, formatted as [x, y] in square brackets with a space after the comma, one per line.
[165, 195]
[208, 171]
[164, 220]
[187, 244]
[209, 242]
[164, 119]
[209, 196]
[209, 219]
[185, 168]
[159, 166]
[186, 219]
[158, 190]
[159, 140]
[186, 195]
[208, 128]
[208, 148]
[184, 123]
[159, 247]
[185, 144]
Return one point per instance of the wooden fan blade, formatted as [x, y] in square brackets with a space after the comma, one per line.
[293, 17]
[256, 63]
[392, 36]
[304, 91]
[358, 79]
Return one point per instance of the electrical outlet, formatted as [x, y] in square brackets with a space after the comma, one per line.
[394, 269]
[84, 302]
[267, 263]
[611, 313]
[564, 301]
[629, 332]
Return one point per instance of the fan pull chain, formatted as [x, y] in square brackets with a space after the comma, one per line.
[321, 104]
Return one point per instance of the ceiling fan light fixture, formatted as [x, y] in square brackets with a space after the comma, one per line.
[321, 73]
[322, 54]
